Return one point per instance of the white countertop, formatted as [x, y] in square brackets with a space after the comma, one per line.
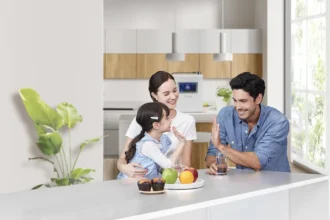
[199, 117]
[122, 200]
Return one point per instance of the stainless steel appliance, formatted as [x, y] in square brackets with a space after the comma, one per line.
[190, 86]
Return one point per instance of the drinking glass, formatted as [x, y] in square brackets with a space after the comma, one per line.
[221, 163]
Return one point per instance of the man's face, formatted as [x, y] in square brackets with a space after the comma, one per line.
[244, 104]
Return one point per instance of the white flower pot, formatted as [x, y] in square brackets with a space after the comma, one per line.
[220, 103]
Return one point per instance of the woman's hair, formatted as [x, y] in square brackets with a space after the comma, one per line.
[156, 80]
[250, 83]
[147, 114]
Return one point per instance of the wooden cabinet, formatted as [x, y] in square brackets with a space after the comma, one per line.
[148, 64]
[191, 64]
[110, 170]
[199, 150]
[212, 69]
[246, 63]
[131, 54]
[119, 66]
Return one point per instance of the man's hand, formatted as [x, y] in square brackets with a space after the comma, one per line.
[134, 170]
[212, 169]
[215, 135]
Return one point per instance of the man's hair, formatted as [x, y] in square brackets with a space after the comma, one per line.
[250, 83]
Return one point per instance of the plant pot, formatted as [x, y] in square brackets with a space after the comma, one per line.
[220, 103]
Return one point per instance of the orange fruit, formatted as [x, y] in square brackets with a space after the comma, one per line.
[186, 177]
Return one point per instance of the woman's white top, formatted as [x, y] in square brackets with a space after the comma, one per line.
[183, 122]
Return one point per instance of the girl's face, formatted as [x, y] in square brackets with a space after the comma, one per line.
[167, 94]
[165, 123]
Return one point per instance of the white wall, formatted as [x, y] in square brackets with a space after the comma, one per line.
[269, 17]
[55, 47]
[137, 90]
[187, 14]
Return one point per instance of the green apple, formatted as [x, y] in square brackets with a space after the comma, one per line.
[170, 175]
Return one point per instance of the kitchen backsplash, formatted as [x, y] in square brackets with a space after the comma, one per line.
[137, 90]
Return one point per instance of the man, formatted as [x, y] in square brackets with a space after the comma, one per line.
[250, 134]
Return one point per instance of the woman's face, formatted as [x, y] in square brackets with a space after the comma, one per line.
[167, 94]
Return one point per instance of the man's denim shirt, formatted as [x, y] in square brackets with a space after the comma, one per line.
[267, 139]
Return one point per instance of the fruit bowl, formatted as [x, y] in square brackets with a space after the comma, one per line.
[178, 185]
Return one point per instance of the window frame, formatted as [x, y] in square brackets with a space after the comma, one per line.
[295, 158]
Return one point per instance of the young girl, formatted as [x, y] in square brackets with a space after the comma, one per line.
[148, 148]
[162, 89]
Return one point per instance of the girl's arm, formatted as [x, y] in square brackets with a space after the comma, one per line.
[151, 150]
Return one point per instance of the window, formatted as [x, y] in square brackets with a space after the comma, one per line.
[306, 85]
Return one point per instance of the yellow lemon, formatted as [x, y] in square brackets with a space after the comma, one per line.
[186, 177]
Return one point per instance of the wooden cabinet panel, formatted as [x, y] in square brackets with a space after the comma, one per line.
[212, 69]
[246, 63]
[119, 66]
[191, 64]
[198, 154]
[110, 170]
[148, 64]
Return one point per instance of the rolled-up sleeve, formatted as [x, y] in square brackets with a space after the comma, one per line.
[273, 143]
[212, 150]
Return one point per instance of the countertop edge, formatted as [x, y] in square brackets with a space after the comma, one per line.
[220, 201]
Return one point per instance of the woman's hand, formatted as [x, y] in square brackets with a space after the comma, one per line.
[133, 170]
[179, 136]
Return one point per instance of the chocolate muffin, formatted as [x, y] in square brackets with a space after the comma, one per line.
[158, 184]
[144, 185]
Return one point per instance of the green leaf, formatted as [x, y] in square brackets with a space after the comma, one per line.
[40, 130]
[50, 143]
[69, 114]
[82, 146]
[77, 173]
[61, 182]
[85, 179]
[37, 186]
[39, 111]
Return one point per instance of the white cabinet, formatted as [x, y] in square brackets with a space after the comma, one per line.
[246, 41]
[111, 142]
[120, 41]
[188, 41]
[209, 40]
[153, 41]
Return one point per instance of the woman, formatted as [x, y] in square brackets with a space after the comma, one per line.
[163, 89]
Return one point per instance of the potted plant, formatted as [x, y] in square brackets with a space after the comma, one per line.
[48, 123]
[223, 96]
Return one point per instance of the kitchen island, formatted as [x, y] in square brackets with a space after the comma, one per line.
[241, 194]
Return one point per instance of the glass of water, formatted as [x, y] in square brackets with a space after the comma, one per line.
[221, 163]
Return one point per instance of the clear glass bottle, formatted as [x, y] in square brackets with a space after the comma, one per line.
[221, 163]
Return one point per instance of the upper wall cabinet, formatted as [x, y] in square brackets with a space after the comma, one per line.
[153, 41]
[237, 41]
[120, 41]
[246, 41]
[188, 41]
[209, 40]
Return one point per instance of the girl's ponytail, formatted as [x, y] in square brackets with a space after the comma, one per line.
[132, 146]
